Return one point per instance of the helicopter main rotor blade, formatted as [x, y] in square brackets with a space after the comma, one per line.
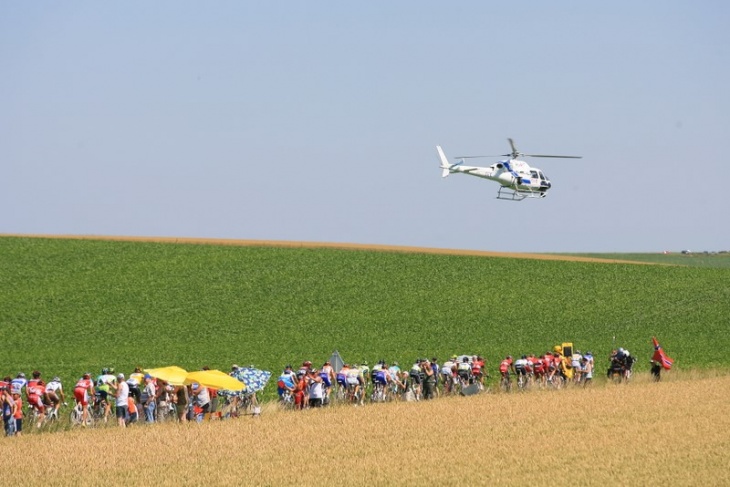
[477, 157]
[512, 144]
[559, 157]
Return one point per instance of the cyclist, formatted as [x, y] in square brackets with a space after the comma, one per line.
[356, 383]
[342, 381]
[17, 384]
[327, 374]
[395, 374]
[305, 368]
[523, 370]
[286, 382]
[135, 381]
[505, 367]
[463, 369]
[103, 388]
[83, 390]
[447, 373]
[477, 370]
[576, 362]
[35, 390]
[54, 394]
[416, 377]
[538, 368]
[365, 371]
[381, 380]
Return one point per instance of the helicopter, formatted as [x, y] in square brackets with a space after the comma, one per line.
[518, 179]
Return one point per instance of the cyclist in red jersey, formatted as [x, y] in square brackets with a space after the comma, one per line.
[538, 367]
[505, 367]
[477, 370]
[35, 390]
[84, 390]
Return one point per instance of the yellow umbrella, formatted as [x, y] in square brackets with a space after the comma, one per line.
[172, 375]
[215, 379]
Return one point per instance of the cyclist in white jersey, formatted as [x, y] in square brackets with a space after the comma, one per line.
[54, 393]
[17, 384]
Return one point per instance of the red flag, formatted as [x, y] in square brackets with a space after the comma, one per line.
[660, 357]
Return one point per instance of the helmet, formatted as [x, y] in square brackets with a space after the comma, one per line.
[104, 371]
[307, 363]
[21, 375]
[56, 379]
[524, 356]
[557, 348]
[111, 370]
[509, 357]
[454, 357]
[87, 375]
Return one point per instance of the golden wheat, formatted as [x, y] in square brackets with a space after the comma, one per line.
[675, 432]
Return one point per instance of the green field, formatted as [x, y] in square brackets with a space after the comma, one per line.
[68, 306]
[716, 260]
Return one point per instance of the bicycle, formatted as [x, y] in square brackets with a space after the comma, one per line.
[555, 381]
[166, 411]
[77, 414]
[505, 383]
[523, 382]
[354, 394]
[286, 401]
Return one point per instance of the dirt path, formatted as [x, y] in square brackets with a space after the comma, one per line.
[326, 245]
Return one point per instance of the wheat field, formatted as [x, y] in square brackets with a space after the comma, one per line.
[676, 431]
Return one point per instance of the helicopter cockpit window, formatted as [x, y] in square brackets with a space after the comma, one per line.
[542, 176]
[533, 173]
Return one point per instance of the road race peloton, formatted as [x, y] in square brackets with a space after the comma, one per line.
[142, 397]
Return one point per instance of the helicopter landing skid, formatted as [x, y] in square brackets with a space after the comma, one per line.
[511, 194]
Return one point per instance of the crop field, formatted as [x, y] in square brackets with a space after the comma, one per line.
[70, 306]
[638, 434]
[720, 260]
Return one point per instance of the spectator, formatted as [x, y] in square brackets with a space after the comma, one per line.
[132, 410]
[121, 391]
[8, 411]
[182, 399]
[429, 383]
[201, 396]
[316, 389]
[149, 395]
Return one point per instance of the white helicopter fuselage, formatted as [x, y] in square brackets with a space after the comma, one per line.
[511, 173]
[516, 178]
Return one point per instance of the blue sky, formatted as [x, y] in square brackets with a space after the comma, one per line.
[318, 121]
